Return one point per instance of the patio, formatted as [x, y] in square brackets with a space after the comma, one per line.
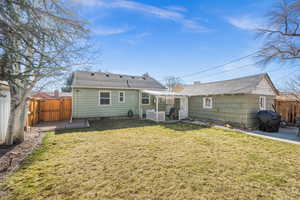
[289, 134]
[176, 106]
[60, 125]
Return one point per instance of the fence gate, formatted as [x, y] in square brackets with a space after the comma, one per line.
[48, 110]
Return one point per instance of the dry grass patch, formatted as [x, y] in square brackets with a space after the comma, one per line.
[149, 161]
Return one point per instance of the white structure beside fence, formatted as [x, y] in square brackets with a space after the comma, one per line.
[152, 115]
[4, 109]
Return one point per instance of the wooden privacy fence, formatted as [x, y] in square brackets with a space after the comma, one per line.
[48, 110]
[288, 110]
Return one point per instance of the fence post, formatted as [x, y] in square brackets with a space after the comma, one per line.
[61, 109]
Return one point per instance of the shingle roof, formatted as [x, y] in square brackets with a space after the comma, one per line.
[244, 85]
[84, 79]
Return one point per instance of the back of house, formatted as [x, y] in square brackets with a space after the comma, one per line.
[234, 101]
[97, 94]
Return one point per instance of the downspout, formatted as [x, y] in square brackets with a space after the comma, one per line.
[156, 109]
[187, 106]
[74, 80]
[72, 105]
[139, 100]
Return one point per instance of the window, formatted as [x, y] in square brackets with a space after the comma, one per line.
[121, 97]
[104, 97]
[262, 103]
[145, 99]
[207, 102]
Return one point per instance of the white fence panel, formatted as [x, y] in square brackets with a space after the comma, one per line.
[151, 115]
[4, 113]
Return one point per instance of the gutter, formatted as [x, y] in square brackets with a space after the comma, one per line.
[118, 88]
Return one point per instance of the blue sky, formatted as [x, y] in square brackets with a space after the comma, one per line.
[179, 37]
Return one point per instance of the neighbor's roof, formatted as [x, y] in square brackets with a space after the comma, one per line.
[4, 85]
[244, 85]
[48, 95]
[83, 79]
[288, 96]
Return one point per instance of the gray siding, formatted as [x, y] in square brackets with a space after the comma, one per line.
[86, 103]
[238, 110]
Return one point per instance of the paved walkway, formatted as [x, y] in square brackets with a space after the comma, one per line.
[284, 135]
[60, 125]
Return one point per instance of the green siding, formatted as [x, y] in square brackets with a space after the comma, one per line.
[234, 109]
[86, 103]
[254, 108]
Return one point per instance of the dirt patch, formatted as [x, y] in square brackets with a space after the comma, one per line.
[12, 156]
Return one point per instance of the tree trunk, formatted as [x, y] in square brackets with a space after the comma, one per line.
[18, 130]
[21, 121]
[9, 139]
[17, 117]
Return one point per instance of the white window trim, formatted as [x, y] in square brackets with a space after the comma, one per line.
[204, 105]
[145, 98]
[264, 106]
[99, 98]
[124, 94]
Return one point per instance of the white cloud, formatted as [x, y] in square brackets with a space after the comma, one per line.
[110, 31]
[143, 35]
[177, 8]
[137, 38]
[163, 13]
[245, 22]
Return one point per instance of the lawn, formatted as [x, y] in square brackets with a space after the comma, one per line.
[145, 161]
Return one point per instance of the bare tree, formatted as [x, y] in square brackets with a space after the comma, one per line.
[281, 35]
[38, 39]
[68, 83]
[171, 82]
[293, 88]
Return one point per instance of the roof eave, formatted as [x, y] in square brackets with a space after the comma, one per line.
[123, 88]
[271, 84]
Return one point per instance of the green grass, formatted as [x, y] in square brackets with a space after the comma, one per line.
[149, 161]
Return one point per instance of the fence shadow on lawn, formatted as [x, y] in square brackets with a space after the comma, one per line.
[112, 124]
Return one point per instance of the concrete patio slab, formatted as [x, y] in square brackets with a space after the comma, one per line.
[288, 135]
[60, 125]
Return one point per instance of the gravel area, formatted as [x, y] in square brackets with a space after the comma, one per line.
[12, 156]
